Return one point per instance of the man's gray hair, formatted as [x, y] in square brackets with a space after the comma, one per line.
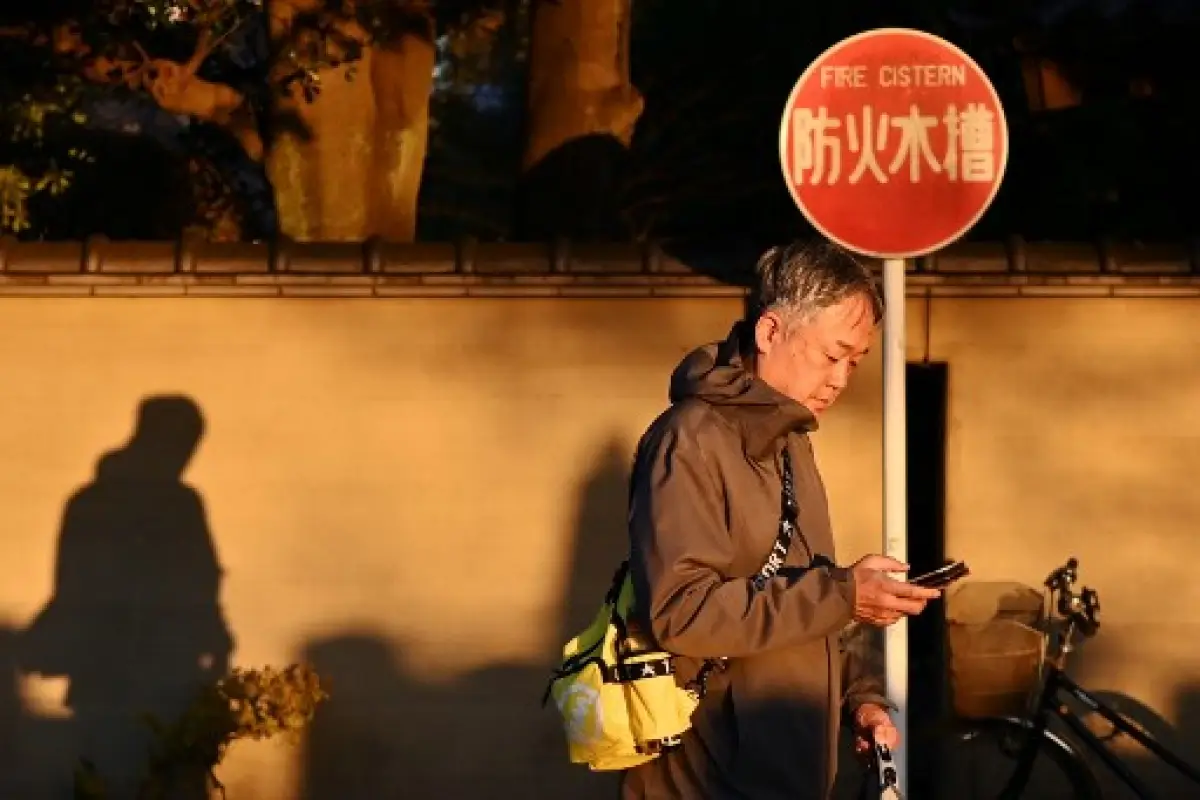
[802, 278]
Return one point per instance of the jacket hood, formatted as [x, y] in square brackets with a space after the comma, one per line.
[718, 374]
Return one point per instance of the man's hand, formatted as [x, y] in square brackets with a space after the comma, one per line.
[873, 725]
[880, 600]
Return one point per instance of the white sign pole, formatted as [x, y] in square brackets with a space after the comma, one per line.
[895, 490]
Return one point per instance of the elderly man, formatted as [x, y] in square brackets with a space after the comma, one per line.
[705, 509]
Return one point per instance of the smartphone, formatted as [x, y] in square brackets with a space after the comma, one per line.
[943, 576]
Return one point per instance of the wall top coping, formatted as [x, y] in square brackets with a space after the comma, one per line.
[467, 268]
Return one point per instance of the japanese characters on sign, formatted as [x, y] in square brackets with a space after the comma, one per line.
[893, 143]
[902, 142]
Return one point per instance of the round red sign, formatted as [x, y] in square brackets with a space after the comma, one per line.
[893, 143]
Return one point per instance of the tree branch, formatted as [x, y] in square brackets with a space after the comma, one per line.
[174, 86]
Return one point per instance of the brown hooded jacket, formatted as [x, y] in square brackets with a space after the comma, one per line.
[704, 513]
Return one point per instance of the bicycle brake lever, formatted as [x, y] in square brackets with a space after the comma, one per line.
[1091, 607]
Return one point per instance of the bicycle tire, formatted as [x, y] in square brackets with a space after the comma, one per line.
[1052, 750]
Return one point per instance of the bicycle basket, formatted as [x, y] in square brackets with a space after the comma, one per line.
[995, 651]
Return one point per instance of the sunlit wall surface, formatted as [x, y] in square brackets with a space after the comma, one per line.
[424, 498]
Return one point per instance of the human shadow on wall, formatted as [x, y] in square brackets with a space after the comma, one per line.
[601, 538]
[386, 733]
[135, 622]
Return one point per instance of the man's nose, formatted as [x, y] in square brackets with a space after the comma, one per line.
[840, 376]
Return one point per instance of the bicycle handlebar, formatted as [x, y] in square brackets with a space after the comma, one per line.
[1080, 608]
[1064, 576]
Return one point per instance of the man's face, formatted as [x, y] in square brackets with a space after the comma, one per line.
[811, 360]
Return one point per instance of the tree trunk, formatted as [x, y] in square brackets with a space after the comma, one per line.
[348, 165]
[581, 116]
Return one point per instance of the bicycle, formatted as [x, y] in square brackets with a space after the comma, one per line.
[1029, 739]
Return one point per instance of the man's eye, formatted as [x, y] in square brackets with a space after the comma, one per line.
[832, 359]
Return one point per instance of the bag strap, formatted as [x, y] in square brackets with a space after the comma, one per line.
[591, 655]
[789, 515]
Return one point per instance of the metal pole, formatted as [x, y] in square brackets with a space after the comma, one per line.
[895, 491]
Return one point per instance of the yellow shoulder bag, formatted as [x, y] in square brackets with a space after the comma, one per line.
[618, 697]
[619, 701]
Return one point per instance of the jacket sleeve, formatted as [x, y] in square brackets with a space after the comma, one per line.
[862, 671]
[681, 553]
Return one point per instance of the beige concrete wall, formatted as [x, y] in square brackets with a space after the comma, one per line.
[424, 497]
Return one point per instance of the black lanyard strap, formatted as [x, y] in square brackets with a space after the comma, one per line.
[788, 516]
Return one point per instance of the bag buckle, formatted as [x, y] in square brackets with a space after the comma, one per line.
[698, 686]
[656, 747]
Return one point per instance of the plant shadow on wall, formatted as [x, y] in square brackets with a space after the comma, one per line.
[388, 734]
[136, 628]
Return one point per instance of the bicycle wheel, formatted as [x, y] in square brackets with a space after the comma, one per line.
[976, 759]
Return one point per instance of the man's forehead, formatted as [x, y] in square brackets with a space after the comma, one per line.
[851, 320]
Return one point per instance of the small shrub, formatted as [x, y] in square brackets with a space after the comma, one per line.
[247, 704]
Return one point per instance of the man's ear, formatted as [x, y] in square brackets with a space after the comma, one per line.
[768, 332]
